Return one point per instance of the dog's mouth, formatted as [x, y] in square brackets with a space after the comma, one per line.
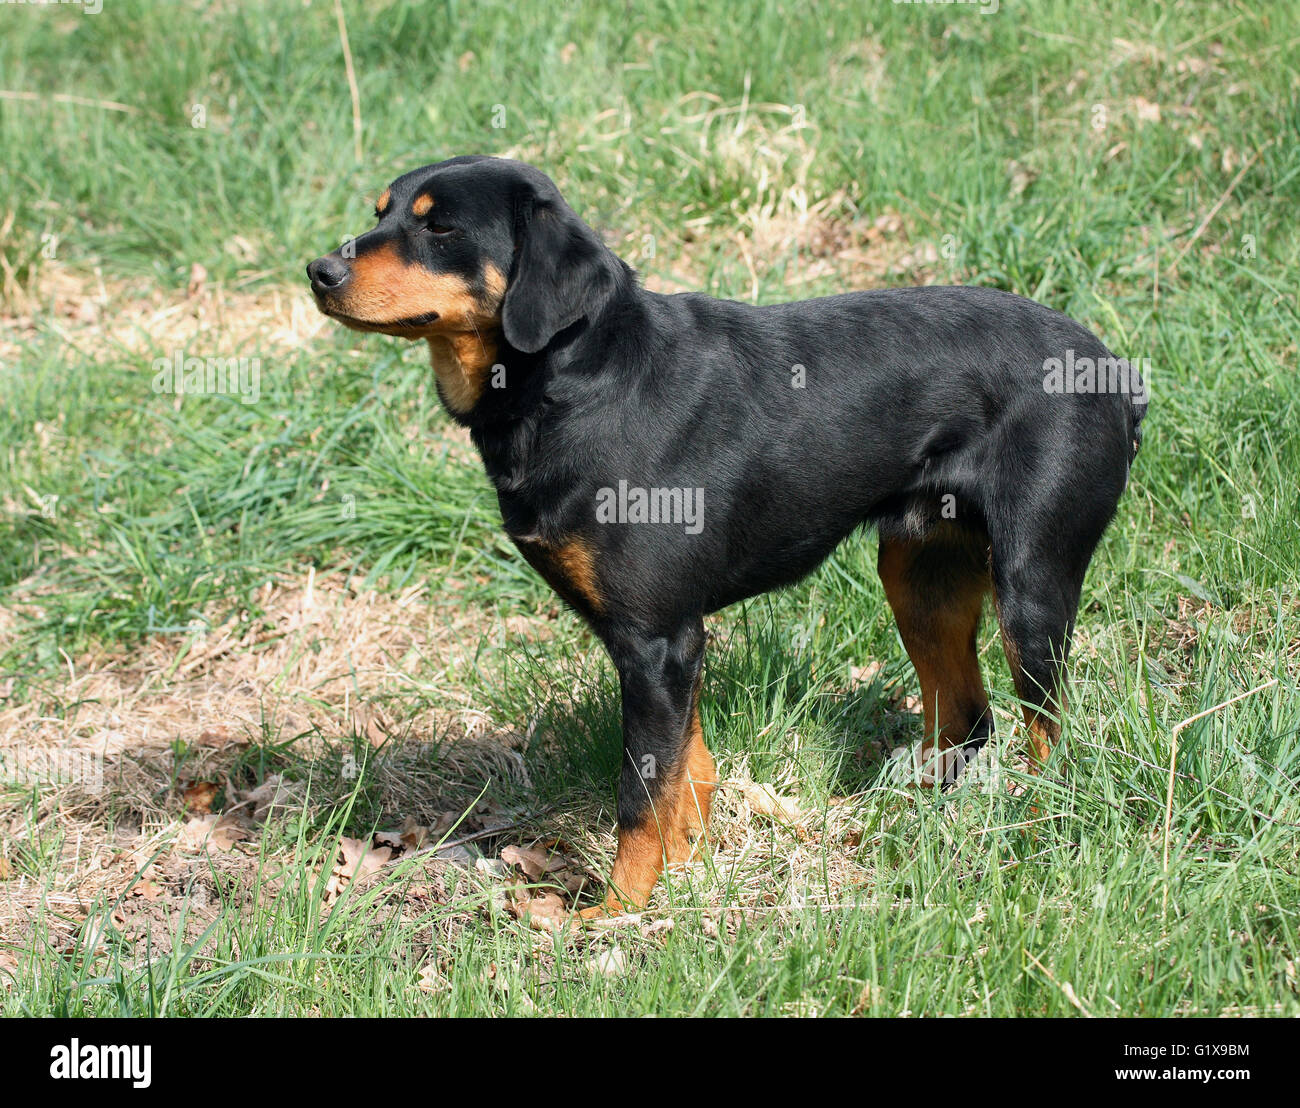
[405, 326]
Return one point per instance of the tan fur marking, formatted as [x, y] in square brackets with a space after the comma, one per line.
[462, 362]
[495, 281]
[385, 290]
[1043, 733]
[1043, 730]
[701, 780]
[637, 865]
[939, 634]
[569, 566]
[575, 561]
[422, 206]
[381, 205]
[669, 834]
[463, 339]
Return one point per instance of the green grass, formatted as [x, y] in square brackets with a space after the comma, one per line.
[675, 120]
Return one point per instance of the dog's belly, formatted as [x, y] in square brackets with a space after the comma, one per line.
[777, 567]
[769, 549]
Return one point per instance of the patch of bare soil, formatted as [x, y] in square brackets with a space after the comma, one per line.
[103, 317]
[138, 757]
[314, 660]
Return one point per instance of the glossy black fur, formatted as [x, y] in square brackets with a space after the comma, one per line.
[922, 412]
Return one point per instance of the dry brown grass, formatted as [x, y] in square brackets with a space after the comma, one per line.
[321, 649]
[324, 663]
[103, 318]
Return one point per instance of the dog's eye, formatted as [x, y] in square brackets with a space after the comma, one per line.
[440, 229]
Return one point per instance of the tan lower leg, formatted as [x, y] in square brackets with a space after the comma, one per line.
[667, 836]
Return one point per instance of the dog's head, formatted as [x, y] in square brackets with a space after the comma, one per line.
[470, 249]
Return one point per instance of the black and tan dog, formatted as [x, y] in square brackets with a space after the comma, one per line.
[603, 410]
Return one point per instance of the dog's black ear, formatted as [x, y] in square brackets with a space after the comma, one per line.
[562, 273]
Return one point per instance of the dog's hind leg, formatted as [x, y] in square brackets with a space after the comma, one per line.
[1036, 600]
[1040, 550]
[936, 587]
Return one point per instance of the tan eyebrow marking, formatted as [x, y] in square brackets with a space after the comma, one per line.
[422, 205]
[381, 205]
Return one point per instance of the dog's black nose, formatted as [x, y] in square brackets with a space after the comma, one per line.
[327, 273]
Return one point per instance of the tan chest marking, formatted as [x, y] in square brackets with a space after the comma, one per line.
[462, 362]
[463, 359]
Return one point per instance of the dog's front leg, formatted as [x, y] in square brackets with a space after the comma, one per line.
[668, 776]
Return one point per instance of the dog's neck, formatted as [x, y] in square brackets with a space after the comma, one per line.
[462, 362]
[530, 395]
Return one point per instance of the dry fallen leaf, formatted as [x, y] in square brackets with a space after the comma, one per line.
[271, 795]
[431, 980]
[609, 962]
[227, 831]
[146, 890]
[766, 801]
[532, 863]
[414, 835]
[861, 676]
[360, 858]
[543, 911]
[195, 832]
[219, 832]
[218, 736]
[411, 837]
[561, 878]
[369, 723]
[199, 796]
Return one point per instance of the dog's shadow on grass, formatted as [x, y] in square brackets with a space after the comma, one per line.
[764, 704]
[773, 706]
